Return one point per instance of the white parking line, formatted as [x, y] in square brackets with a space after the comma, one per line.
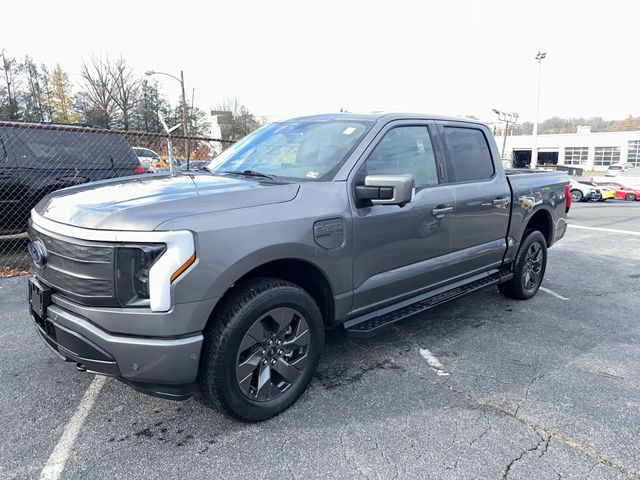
[610, 230]
[55, 465]
[551, 292]
[433, 362]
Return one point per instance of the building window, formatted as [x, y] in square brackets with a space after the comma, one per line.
[607, 156]
[576, 155]
[634, 152]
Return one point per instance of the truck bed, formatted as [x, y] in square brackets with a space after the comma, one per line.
[534, 190]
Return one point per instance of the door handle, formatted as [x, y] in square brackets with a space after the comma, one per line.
[501, 201]
[439, 211]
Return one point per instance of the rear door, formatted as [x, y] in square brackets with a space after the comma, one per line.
[482, 198]
[398, 251]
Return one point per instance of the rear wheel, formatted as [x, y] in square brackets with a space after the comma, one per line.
[576, 195]
[528, 267]
[630, 196]
[261, 349]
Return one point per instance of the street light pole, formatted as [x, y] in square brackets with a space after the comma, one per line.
[185, 125]
[534, 154]
[507, 118]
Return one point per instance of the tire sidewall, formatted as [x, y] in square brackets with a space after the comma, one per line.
[228, 388]
[532, 237]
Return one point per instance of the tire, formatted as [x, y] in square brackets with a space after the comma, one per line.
[577, 195]
[630, 196]
[246, 349]
[521, 286]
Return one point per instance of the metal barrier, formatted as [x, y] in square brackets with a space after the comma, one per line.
[39, 158]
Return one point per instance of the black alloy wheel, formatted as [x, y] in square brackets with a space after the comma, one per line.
[260, 349]
[528, 267]
[273, 354]
[532, 270]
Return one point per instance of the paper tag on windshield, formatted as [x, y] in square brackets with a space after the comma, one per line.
[312, 174]
[348, 131]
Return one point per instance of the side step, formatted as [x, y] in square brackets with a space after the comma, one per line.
[373, 323]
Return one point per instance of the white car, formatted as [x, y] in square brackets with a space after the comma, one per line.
[148, 159]
[615, 170]
[581, 192]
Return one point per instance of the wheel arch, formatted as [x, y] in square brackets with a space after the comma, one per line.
[542, 221]
[303, 273]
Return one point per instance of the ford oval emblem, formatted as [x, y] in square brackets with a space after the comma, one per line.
[38, 252]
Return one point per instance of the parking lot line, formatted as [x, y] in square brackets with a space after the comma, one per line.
[433, 362]
[55, 465]
[599, 229]
[551, 292]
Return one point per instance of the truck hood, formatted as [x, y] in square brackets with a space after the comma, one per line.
[144, 202]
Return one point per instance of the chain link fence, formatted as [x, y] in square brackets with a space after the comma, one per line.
[39, 158]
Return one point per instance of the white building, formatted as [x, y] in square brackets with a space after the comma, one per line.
[584, 149]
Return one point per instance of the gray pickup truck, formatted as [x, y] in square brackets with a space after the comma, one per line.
[225, 279]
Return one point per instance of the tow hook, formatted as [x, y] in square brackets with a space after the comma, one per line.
[81, 367]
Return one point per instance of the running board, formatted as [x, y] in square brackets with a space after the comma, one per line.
[373, 323]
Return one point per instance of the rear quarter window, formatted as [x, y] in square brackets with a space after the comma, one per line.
[469, 153]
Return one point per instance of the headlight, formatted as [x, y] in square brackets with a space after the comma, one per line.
[133, 263]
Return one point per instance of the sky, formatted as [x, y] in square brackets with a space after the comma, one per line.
[288, 58]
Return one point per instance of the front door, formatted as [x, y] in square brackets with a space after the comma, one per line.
[398, 250]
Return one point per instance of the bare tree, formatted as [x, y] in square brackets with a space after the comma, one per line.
[126, 89]
[241, 122]
[99, 89]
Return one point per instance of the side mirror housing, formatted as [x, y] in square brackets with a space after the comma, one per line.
[386, 189]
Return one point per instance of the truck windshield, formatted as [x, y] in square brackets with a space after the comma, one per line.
[298, 150]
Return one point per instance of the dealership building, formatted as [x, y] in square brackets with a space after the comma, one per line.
[583, 149]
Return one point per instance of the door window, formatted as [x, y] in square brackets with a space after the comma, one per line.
[404, 150]
[470, 154]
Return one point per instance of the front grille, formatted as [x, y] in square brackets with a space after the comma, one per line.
[80, 270]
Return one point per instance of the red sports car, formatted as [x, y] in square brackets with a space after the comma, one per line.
[622, 192]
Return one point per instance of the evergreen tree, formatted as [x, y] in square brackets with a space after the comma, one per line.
[62, 97]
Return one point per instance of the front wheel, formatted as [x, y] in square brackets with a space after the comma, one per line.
[528, 268]
[576, 195]
[261, 349]
[630, 196]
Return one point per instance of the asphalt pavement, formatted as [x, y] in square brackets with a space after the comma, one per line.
[483, 387]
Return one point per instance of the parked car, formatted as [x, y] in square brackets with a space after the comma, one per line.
[38, 159]
[606, 193]
[615, 170]
[581, 192]
[621, 192]
[149, 160]
[225, 279]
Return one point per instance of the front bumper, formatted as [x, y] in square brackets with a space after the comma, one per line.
[165, 367]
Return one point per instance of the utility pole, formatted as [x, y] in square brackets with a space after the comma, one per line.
[534, 154]
[507, 118]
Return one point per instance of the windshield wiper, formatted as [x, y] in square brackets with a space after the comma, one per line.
[248, 173]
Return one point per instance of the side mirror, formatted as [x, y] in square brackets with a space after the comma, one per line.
[386, 189]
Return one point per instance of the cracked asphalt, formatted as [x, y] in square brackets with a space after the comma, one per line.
[542, 389]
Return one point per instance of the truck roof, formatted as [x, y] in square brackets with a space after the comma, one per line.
[387, 116]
